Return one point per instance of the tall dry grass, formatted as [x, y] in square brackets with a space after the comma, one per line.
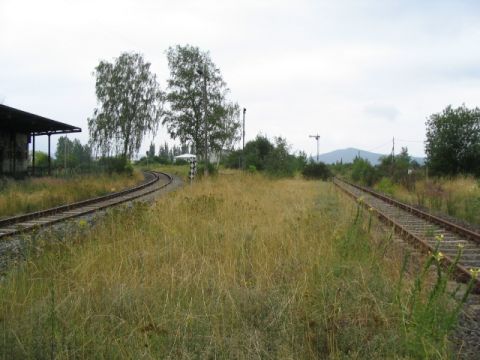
[458, 197]
[231, 267]
[19, 197]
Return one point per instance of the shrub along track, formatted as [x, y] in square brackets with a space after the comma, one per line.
[154, 181]
[422, 229]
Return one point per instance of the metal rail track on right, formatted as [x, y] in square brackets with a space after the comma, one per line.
[421, 228]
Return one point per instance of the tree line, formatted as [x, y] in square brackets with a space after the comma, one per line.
[274, 158]
[196, 110]
[195, 107]
[452, 147]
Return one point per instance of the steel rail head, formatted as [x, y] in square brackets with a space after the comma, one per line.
[34, 215]
[461, 273]
[472, 235]
[57, 210]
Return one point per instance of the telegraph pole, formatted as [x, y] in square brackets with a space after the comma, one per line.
[392, 168]
[243, 145]
[393, 149]
[317, 137]
[205, 115]
[203, 72]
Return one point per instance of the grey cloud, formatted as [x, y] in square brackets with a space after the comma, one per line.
[386, 112]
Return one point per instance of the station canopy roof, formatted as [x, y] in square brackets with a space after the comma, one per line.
[15, 120]
[186, 156]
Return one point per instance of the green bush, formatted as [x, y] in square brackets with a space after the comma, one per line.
[117, 164]
[181, 162]
[212, 169]
[363, 172]
[279, 163]
[273, 158]
[316, 171]
[233, 160]
[386, 186]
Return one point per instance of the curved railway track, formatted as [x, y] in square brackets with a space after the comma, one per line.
[154, 181]
[421, 229]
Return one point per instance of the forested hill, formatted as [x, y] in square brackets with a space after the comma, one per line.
[349, 154]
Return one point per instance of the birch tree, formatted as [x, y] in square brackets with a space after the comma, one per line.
[129, 105]
[196, 96]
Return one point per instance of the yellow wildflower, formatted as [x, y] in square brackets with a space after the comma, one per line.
[439, 237]
[82, 223]
[474, 273]
[438, 256]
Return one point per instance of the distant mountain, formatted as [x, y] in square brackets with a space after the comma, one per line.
[348, 155]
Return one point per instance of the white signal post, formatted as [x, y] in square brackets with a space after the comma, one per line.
[317, 137]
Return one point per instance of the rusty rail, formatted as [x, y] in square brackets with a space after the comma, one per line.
[462, 274]
[429, 217]
[94, 204]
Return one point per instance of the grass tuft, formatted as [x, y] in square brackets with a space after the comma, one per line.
[231, 267]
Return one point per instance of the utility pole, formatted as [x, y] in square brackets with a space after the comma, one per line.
[393, 157]
[203, 72]
[317, 137]
[205, 115]
[393, 149]
[243, 145]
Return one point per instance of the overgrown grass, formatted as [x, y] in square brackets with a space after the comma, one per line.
[179, 170]
[458, 197]
[232, 267]
[18, 197]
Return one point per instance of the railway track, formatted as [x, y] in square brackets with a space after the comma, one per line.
[154, 181]
[422, 229]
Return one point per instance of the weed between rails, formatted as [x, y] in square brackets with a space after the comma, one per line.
[235, 267]
[432, 309]
[458, 197]
[429, 309]
[26, 196]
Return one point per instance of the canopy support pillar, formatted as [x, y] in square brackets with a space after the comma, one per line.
[49, 157]
[33, 154]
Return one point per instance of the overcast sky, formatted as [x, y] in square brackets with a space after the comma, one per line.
[358, 72]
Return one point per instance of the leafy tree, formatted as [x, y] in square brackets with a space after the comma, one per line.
[130, 105]
[63, 151]
[164, 154]
[363, 171]
[340, 168]
[262, 155]
[257, 152]
[315, 170]
[192, 70]
[453, 141]
[301, 160]
[234, 160]
[224, 137]
[396, 167]
[280, 162]
[41, 159]
[73, 152]
[151, 151]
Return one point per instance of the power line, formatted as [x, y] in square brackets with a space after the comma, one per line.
[412, 141]
[379, 146]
